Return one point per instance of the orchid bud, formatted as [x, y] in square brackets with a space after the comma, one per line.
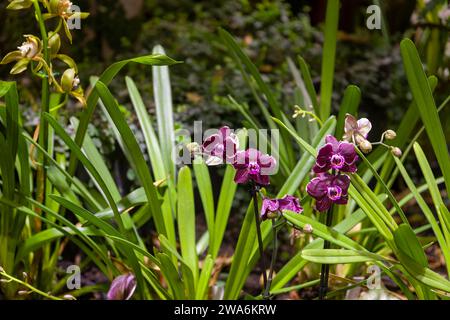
[193, 148]
[396, 152]
[272, 215]
[359, 139]
[69, 80]
[365, 146]
[390, 134]
[63, 7]
[30, 48]
[69, 297]
[19, 4]
[307, 228]
[122, 287]
[2, 270]
[54, 43]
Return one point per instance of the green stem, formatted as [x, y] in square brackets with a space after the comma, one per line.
[41, 177]
[43, 131]
[43, 128]
[29, 286]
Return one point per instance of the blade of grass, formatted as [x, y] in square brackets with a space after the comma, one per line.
[423, 96]
[329, 57]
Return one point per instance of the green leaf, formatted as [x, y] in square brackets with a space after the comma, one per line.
[385, 187]
[226, 197]
[203, 282]
[335, 256]
[244, 246]
[306, 162]
[186, 270]
[320, 230]
[205, 189]
[407, 241]
[329, 57]
[434, 191]
[151, 140]
[302, 143]
[134, 153]
[290, 269]
[350, 104]
[186, 220]
[108, 75]
[426, 211]
[95, 157]
[171, 275]
[422, 274]
[164, 113]
[425, 103]
[309, 85]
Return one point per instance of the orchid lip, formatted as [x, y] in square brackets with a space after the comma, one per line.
[254, 168]
[337, 161]
[334, 193]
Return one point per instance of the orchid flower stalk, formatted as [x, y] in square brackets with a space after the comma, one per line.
[328, 189]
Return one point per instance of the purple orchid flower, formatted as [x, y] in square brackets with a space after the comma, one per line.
[220, 147]
[328, 189]
[122, 287]
[290, 203]
[252, 165]
[271, 207]
[337, 155]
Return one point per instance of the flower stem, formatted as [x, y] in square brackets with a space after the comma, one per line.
[43, 126]
[27, 285]
[273, 260]
[254, 192]
[325, 271]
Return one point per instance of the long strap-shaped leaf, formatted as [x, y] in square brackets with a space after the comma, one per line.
[89, 166]
[164, 113]
[107, 76]
[329, 57]
[423, 96]
[135, 154]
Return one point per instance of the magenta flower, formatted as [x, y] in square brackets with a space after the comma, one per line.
[271, 207]
[220, 147]
[252, 165]
[290, 203]
[337, 155]
[328, 189]
[122, 287]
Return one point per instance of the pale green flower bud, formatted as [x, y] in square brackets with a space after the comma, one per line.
[396, 152]
[390, 134]
[69, 80]
[54, 43]
[365, 146]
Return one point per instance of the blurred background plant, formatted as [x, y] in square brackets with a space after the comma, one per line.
[269, 31]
